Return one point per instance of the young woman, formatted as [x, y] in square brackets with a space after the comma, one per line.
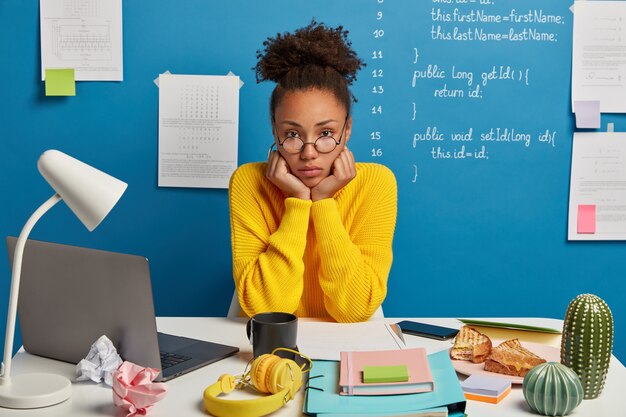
[311, 229]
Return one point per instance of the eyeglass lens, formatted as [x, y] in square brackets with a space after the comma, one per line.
[323, 144]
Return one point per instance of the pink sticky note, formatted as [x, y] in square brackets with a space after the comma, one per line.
[587, 114]
[586, 218]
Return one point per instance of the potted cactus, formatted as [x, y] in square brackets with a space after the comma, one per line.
[587, 341]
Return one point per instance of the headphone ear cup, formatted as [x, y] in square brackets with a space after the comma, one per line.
[285, 374]
[260, 371]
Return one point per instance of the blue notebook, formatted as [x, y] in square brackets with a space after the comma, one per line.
[326, 399]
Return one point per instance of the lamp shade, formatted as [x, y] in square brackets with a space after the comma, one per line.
[89, 192]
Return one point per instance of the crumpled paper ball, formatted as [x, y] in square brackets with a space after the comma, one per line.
[133, 389]
[100, 363]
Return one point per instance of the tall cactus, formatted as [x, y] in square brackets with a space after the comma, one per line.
[587, 341]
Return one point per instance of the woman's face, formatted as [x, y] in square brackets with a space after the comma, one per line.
[309, 115]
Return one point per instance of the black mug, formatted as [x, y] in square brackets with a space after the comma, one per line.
[268, 331]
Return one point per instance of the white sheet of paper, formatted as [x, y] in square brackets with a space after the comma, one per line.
[325, 341]
[82, 34]
[198, 130]
[599, 49]
[599, 178]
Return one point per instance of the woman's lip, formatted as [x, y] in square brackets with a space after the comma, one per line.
[310, 171]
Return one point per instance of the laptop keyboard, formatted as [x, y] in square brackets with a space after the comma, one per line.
[171, 359]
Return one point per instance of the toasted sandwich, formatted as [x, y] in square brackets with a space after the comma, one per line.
[511, 358]
[471, 345]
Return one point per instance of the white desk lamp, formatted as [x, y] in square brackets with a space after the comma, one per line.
[90, 194]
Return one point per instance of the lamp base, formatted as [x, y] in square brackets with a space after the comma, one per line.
[35, 391]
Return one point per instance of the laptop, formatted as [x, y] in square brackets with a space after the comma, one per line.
[70, 296]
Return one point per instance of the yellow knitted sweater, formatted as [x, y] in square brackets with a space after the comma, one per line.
[329, 258]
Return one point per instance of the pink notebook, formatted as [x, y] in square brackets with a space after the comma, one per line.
[351, 372]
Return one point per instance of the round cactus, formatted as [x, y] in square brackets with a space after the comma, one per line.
[552, 389]
[587, 341]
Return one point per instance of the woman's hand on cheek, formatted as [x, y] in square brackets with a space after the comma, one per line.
[278, 174]
[344, 170]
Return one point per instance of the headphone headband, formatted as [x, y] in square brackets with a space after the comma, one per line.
[221, 407]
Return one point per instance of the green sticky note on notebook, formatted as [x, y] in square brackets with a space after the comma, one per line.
[395, 373]
[60, 82]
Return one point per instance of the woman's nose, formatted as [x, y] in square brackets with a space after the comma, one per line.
[308, 151]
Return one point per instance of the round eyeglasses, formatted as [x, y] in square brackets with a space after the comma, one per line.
[323, 144]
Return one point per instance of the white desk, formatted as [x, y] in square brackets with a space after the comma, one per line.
[184, 397]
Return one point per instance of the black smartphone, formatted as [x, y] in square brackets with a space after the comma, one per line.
[427, 330]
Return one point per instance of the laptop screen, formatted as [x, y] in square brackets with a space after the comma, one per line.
[70, 296]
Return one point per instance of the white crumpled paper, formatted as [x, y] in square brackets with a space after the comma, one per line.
[100, 363]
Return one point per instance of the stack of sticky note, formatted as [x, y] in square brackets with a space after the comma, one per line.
[488, 389]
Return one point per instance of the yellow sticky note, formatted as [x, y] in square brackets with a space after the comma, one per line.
[60, 82]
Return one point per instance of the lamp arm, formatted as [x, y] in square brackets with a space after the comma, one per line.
[5, 370]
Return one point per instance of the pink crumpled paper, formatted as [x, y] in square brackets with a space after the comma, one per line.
[133, 389]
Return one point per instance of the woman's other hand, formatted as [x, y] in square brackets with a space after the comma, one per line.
[278, 173]
[344, 170]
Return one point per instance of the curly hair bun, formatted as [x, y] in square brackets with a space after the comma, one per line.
[314, 45]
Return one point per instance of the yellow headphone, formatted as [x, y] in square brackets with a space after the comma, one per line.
[268, 373]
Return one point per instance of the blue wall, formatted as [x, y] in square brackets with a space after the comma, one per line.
[476, 236]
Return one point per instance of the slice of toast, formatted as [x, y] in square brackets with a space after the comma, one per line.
[511, 358]
[471, 345]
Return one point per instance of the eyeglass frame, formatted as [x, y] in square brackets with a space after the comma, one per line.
[337, 142]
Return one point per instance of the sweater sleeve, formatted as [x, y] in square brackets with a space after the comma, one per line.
[355, 264]
[267, 257]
